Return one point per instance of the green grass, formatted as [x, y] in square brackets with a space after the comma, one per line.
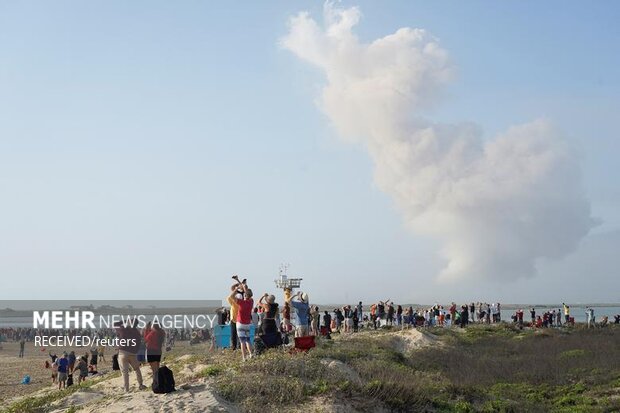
[481, 369]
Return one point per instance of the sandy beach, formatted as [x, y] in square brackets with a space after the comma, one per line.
[33, 364]
[194, 395]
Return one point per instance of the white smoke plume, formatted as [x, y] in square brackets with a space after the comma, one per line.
[497, 206]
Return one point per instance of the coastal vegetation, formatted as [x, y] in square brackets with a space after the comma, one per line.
[497, 368]
[481, 368]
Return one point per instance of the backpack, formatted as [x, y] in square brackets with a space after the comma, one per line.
[115, 365]
[259, 345]
[165, 381]
[69, 380]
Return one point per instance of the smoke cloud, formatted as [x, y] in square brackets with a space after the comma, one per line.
[497, 206]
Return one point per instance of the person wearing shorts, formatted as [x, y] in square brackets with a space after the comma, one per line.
[154, 338]
[63, 367]
[301, 313]
[245, 306]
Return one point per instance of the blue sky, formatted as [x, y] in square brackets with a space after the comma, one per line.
[152, 149]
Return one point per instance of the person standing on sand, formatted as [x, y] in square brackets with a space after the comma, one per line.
[348, 322]
[22, 345]
[590, 316]
[373, 315]
[566, 312]
[286, 316]
[236, 292]
[270, 311]
[301, 313]
[94, 357]
[127, 353]
[82, 367]
[154, 338]
[71, 359]
[314, 323]
[54, 371]
[452, 311]
[101, 351]
[63, 368]
[244, 320]
[255, 318]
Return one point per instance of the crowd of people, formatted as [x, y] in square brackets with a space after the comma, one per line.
[271, 319]
[272, 324]
[69, 367]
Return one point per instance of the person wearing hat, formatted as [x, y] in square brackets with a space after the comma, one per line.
[301, 313]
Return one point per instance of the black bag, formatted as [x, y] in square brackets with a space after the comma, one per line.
[115, 365]
[69, 380]
[259, 345]
[165, 381]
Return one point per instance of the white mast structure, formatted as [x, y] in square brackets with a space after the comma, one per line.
[287, 284]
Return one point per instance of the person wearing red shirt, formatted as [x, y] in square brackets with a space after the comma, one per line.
[154, 337]
[244, 320]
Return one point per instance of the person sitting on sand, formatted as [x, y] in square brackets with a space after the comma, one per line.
[244, 320]
[538, 322]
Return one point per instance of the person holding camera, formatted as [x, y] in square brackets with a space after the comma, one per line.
[243, 322]
[236, 293]
[301, 307]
